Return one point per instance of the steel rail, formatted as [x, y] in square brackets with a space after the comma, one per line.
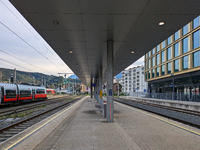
[36, 116]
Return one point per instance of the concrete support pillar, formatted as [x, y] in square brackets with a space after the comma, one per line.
[97, 91]
[91, 87]
[109, 109]
[100, 86]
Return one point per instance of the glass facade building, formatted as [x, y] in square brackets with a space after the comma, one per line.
[196, 59]
[176, 49]
[177, 56]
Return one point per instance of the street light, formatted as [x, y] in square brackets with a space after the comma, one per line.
[65, 77]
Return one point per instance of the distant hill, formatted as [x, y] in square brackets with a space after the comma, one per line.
[73, 77]
[119, 75]
[31, 77]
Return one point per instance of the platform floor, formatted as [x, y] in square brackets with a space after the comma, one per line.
[82, 127]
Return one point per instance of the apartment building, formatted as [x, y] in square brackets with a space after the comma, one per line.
[133, 80]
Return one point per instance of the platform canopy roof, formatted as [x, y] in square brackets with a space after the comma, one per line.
[85, 26]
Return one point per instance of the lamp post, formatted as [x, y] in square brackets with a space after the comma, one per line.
[65, 77]
[172, 85]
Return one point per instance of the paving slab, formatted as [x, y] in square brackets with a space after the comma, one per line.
[83, 128]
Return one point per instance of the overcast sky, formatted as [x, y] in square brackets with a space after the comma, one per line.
[21, 47]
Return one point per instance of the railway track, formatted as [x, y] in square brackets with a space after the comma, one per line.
[4, 108]
[165, 110]
[22, 108]
[11, 130]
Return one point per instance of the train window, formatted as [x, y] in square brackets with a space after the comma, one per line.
[25, 93]
[40, 91]
[10, 93]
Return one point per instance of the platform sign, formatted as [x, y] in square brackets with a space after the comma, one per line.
[100, 93]
[135, 88]
[145, 90]
[93, 85]
[110, 92]
[171, 85]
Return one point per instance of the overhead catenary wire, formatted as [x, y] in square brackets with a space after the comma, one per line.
[25, 25]
[14, 64]
[29, 45]
[30, 31]
[22, 60]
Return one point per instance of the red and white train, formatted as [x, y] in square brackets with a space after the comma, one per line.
[51, 92]
[16, 93]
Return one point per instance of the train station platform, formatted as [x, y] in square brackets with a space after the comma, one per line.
[82, 127]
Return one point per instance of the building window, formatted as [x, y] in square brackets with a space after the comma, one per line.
[176, 49]
[185, 45]
[196, 59]
[169, 40]
[153, 61]
[157, 71]
[163, 70]
[163, 56]
[157, 59]
[169, 68]
[176, 36]
[149, 74]
[169, 53]
[176, 65]
[185, 29]
[149, 53]
[157, 48]
[195, 39]
[195, 22]
[163, 44]
[146, 55]
[149, 63]
[152, 73]
[145, 76]
[153, 51]
[185, 62]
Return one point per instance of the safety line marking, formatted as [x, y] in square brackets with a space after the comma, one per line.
[161, 119]
[43, 125]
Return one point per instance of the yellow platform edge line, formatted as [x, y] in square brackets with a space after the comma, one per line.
[43, 125]
[159, 119]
